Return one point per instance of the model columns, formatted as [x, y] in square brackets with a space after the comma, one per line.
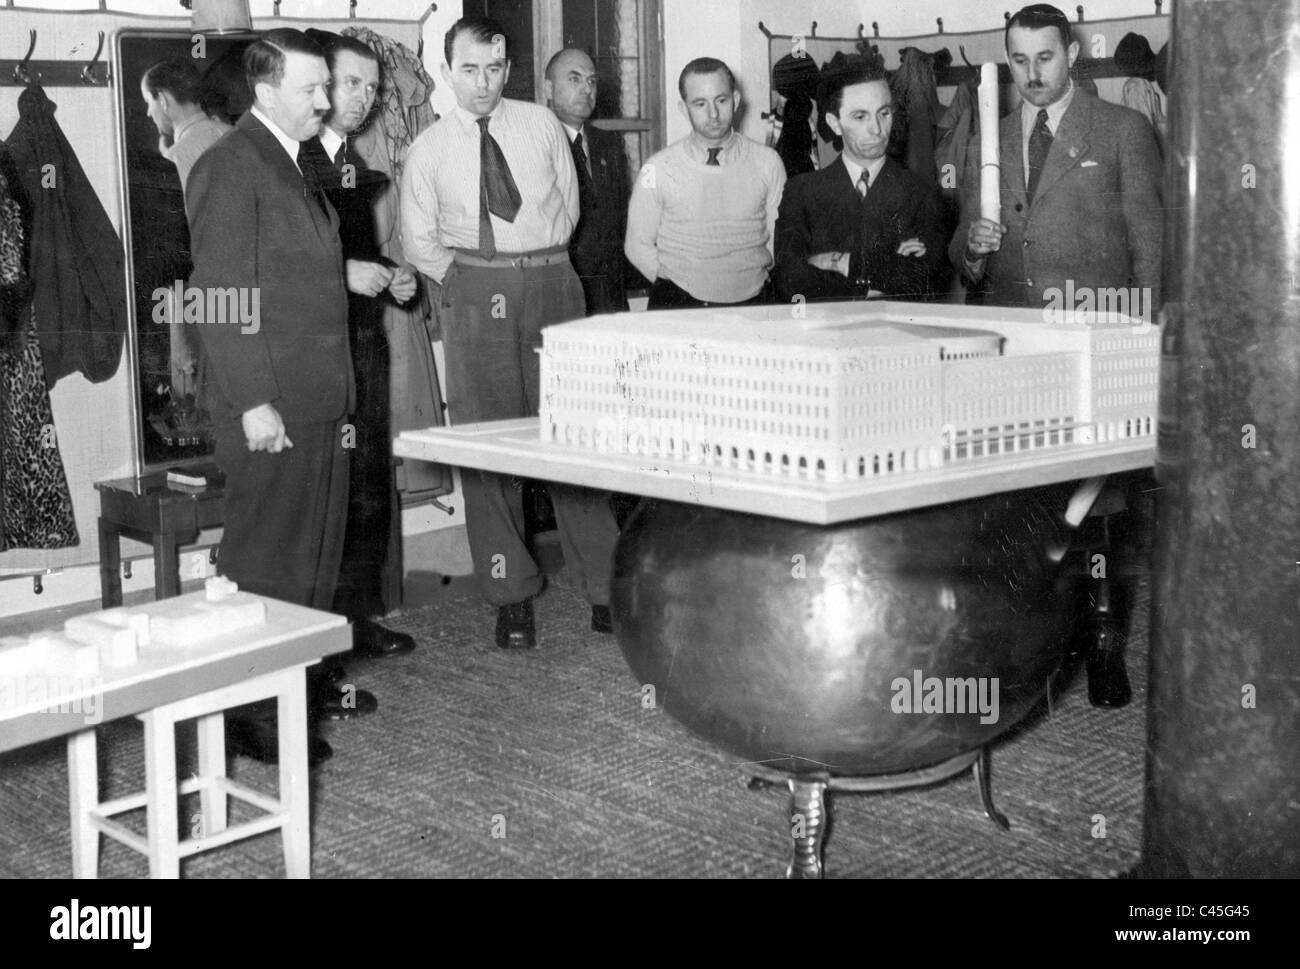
[1223, 755]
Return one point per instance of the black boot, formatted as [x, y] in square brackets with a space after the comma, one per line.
[1108, 684]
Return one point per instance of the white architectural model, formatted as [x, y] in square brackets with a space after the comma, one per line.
[120, 637]
[845, 390]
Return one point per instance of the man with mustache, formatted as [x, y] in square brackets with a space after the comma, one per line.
[279, 394]
[703, 210]
[1080, 183]
[1081, 212]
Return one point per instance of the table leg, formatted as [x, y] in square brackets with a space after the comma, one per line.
[83, 797]
[294, 787]
[807, 826]
[212, 767]
[161, 794]
[984, 781]
[166, 566]
[110, 565]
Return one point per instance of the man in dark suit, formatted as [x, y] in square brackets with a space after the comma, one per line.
[1079, 181]
[1081, 217]
[277, 380]
[864, 226]
[370, 574]
[596, 248]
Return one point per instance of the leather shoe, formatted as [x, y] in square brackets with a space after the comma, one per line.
[373, 640]
[601, 620]
[258, 738]
[1108, 684]
[515, 627]
[329, 701]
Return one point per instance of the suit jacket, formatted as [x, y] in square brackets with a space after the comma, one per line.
[255, 226]
[822, 212]
[596, 247]
[1096, 217]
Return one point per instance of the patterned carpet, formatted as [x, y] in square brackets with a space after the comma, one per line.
[544, 764]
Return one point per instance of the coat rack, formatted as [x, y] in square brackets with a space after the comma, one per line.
[51, 73]
[956, 74]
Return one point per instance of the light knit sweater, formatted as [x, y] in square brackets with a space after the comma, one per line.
[707, 228]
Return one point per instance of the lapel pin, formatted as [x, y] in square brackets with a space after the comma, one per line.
[1074, 152]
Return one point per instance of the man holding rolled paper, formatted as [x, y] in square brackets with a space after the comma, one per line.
[1073, 221]
[1078, 189]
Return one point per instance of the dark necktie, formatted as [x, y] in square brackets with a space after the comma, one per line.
[863, 184]
[498, 193]
[1040, 143]
[584, 174]
[340, 156]
[713, 156]
[311, 155]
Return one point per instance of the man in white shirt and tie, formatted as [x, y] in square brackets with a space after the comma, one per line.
[489, 203]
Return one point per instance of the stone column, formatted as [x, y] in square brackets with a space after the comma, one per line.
[1223, 756]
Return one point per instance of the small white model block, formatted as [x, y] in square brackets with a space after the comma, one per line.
[113, 632]
[180, 625]
[48, 653]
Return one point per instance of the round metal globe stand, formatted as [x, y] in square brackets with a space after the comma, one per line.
[808, 812]
[784, 643]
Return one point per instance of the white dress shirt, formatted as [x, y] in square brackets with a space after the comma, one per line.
[440, 185]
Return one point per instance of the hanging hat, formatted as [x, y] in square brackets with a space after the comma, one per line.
[1134, 56]
[795, 74]
[1162, 68]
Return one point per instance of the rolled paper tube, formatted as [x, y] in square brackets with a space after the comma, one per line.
[990, 201]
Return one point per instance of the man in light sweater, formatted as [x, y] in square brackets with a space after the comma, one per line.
[703, 210]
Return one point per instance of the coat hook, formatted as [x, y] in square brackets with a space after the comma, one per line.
[1159, 4]
[88, 72]
[352, 9]
[126, 569]
[20, 69]
[1079, 9]
[763, 27]
[419, 50]
[875, 29]
[212, 555]
[813, 32]
[277, 8]
[862, 31]
[37, 587]
[1006, 15]
[939, 21]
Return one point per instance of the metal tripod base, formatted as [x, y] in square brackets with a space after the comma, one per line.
[809, 818]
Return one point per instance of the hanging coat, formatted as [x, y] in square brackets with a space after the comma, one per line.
[35, 505]
[76, 257]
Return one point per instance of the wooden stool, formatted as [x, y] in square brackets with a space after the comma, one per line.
[145, 507]
[162, 844]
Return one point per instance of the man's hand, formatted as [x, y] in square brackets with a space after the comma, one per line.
[265, 430]
[831, 262]
[984, 236]
[911, 247]
[403, 284]
[368, 278]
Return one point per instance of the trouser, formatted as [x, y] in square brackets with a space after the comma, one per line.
[370, 575]
[492, 322]
[667, 295]
[285, 513]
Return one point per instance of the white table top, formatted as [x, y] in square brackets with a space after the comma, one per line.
[32, 710]
[514, 447]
